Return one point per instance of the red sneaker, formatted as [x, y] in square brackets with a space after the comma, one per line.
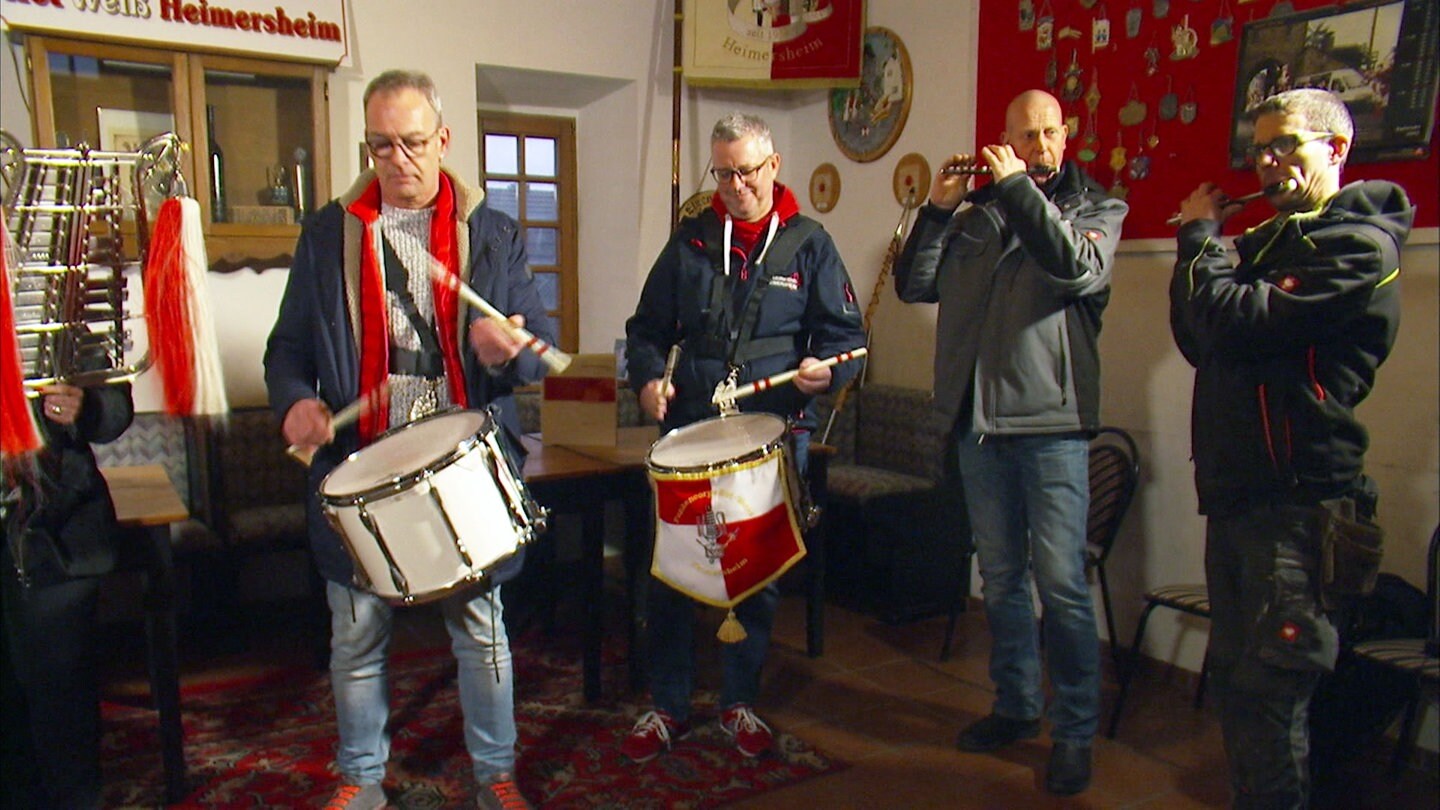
[652, 736]
[750, 733]
[357, 797]
[501, 793]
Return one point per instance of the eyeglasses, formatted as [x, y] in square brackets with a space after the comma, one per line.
[1283, 146]
[412, 145]
[724, 176]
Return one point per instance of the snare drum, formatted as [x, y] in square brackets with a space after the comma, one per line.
[727, 506]
[430, 507]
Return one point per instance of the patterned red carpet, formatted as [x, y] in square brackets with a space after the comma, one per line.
[269, 743]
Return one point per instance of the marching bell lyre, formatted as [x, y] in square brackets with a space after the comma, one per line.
[66, 211]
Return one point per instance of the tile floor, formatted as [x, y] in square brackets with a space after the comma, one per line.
[880, 700]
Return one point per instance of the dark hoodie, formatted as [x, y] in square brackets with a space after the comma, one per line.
[1286, 345]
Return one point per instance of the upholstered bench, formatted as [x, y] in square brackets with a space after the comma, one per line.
[899, 543]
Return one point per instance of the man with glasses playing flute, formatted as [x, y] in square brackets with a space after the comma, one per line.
[362, 314]
[1285, 344]
[754, 288]
[1022, 275]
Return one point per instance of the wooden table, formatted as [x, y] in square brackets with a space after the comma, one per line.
[146, 504]
[580, 480]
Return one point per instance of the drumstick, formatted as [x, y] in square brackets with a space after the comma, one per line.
[670, 361]
[342, 419]
[557, 360]
[786, 376]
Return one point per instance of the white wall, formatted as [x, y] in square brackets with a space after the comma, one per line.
[623, 47]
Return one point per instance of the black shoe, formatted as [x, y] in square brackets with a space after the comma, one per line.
[1069, 769]
[993, 732]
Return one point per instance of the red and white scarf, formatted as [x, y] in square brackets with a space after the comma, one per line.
[374, 325]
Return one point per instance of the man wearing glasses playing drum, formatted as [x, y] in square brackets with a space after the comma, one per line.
[748, 289]
[1022, 275]
[363, 319]
[1285, 343]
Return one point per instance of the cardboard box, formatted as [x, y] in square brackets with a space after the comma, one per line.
[578, 405]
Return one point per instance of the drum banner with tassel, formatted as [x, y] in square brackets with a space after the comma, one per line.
[720, 538]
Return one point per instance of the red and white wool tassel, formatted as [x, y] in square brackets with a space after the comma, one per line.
[177, 313]
[19, 435]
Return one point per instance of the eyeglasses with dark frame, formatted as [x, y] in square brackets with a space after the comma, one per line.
[412, 145]
[1282, 146]
[723, 176]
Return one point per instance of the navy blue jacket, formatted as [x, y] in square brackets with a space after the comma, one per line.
[313, 348]
[810, 303]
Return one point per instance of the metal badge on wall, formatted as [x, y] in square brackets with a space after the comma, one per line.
[825, 187]
[911, 181]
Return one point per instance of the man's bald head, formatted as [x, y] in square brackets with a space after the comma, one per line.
[1028, 101]
[1035, 128]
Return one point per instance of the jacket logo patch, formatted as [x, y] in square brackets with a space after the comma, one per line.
[1289, 632]
[1094, 236]
[791, 282]
[1289, 283]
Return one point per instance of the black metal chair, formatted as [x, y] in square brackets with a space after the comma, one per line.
[1191, 599]
[1419, 657]
[1114, 475]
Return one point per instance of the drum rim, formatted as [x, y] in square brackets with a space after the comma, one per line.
[752, 455]
[398, 484]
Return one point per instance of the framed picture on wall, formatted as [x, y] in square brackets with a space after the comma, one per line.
[1377, 56]
[867, 120]
[127, 131]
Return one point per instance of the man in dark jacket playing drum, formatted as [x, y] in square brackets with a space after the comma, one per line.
[750, 289]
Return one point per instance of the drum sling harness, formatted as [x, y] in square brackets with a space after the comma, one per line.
[429, 361]
[736, 344]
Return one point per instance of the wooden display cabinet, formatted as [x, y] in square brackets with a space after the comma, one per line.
[271, 127]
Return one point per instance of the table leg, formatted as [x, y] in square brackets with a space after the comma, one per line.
[163, 658]
[593, 549]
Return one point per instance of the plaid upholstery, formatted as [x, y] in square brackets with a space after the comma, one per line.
[898, 545]
[257, 491]
[152, 438]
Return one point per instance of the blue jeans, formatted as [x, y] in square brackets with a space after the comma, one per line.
[360, 626]
[671, 621]
[1028, 498]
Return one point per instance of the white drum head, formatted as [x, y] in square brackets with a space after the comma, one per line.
[401, 452]
[716, 440]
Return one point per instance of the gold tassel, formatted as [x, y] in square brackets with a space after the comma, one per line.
[731, 630]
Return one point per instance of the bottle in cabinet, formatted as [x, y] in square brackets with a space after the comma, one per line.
[217, 169]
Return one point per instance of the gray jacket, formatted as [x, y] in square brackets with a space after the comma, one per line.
[1022, 276]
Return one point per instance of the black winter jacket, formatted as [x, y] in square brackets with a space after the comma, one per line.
[61, 524]
[1286, 344]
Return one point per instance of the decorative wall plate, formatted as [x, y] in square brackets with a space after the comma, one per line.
[867, 120]
[824, 187]
[911, 181]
